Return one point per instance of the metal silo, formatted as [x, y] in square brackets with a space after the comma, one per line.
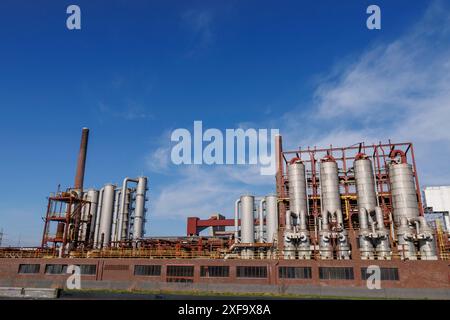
[367, 201]
[139, 211]
[403, 190]
[331, 208]
[247, 223]
[271, 218]
[104, 233]
[92, 196]
[365, 184]
[329, 186]
[297, 188]
[298, 205]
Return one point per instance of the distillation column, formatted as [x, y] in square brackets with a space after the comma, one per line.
[331, 212]
[139, 211]
[411, 228]
[373, 235]
[247, 209]
[106, 215]
[271, 221]
[297, 238]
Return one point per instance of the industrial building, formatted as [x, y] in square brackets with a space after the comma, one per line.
[336, 212]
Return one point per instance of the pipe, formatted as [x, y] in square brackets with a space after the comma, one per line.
[261, 220]
[122, 205]
[114, 233]
[97, 217]
[288, 220]
[363, 224]
[400, 153]
[302, 220]
[380, 218]
[236, 220]
[139, 210]
[339, 218]
[325, 220]
[79, 176]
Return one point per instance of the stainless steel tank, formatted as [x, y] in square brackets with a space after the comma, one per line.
[139, 211]
[403, 189]
[365, 185]
[329, 186]
[106, 215]
[126, 215]
[297, 188]
[247, 203]
[92, 196]
[271, 218]
[367, 201]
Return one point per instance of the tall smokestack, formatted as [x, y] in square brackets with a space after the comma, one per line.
[79, 177]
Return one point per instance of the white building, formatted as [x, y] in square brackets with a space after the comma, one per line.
[438, 200]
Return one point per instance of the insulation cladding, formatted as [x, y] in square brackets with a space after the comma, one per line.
[329, 186]
[271, 218]
[365, 184]
[297, 188]
[404, 196]
[139, 215]
[106, 216]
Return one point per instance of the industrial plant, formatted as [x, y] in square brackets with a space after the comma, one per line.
[337, 211]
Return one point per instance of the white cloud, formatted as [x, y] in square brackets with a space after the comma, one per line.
[127, 111]
[199, 22]
[398, 90]
[204, 190]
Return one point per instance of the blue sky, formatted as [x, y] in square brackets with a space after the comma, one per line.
[138, 70]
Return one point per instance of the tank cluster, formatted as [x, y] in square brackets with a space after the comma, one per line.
[325, 235]
[249, 236]
[116, 214]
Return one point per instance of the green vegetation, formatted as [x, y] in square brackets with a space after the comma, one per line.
[219, 295]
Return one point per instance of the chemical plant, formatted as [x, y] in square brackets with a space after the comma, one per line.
[336, 212]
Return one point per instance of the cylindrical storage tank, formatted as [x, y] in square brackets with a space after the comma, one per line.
[403, 190]
[329, 184]
[139, 211]
[92, 197]
[247, 219]
[124, 233]
[106, 215]
[365, 184]
[297, 187]
[271, 218]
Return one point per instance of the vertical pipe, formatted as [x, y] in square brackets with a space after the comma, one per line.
[106, 215]
[271, 218]
[236, 220]
[122, 206]
[139, 212]
[79, 176]
[261, 219]
[114, 232]
[97, 218]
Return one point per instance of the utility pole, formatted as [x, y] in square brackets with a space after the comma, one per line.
[1, 236]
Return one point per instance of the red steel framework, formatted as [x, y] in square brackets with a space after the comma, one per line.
[65, 210]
